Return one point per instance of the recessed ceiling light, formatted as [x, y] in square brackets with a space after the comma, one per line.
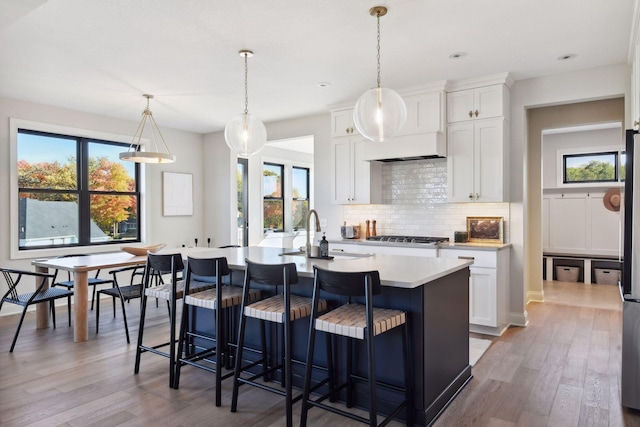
[457, 55]
[566, 56]
[324, 84]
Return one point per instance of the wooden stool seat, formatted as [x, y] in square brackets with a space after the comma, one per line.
[350, 320]
[272, 309]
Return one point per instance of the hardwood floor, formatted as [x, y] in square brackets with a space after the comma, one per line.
[561, 370]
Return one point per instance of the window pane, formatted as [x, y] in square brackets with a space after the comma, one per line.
[599, 167]
[623, 166]
[106, 171]
[272, 180]
[46, 162]
[273, 215]
[300, 185]
[300, 210]
[47, 219]
[113, 218]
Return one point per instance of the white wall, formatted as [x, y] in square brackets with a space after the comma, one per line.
[525, 224]
[187, 146]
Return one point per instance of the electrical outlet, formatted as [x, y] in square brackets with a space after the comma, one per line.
[323, 224]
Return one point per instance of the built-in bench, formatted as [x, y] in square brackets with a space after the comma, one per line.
[586, 263]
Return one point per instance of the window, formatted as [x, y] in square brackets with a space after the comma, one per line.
[590, 167]
[300, 197]
[74, 191]
[273, 196]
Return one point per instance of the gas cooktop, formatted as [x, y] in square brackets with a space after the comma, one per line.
[408, 239]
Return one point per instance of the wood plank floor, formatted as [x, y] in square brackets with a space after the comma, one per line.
[561, 370]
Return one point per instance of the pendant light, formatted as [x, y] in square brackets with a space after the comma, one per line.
[245, 134]
[135, 155]
[380, 112]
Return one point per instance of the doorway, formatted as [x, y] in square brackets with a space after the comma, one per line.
[538, 120]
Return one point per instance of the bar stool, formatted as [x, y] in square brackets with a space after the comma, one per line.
[219, 299]
[354, 321]
[170, 264]
[281, 308]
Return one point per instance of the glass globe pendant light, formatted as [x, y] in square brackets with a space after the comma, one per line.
[245, 134]
[380, 112]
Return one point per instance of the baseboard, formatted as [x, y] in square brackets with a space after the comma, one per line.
[535, 296]
[518, 319]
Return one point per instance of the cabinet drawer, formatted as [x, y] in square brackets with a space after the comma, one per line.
[480, 258]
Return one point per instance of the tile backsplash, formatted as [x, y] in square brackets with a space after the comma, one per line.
[414, 194]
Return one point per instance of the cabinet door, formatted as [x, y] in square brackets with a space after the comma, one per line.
[366, 181]
[342, 123]
[424, 113]
[488, 102]
[459, 105]
[568, 223]
[342, 173]
[489, 161]
[460, 162]
[483, 297]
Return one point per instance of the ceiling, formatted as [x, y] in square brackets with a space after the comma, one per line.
[101, 56]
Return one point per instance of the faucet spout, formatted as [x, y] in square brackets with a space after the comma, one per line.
[308, 246]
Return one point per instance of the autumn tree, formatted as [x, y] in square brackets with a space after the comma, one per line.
[107, 210]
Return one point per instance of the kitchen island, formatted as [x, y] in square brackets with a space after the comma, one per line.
[433, 291]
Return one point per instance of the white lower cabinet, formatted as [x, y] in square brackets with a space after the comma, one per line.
[488, 288]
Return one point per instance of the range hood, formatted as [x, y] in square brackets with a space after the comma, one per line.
[407, 147]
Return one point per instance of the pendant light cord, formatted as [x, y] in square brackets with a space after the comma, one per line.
[246, 85]
[378, 17]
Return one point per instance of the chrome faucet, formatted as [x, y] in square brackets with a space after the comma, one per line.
[308, 247]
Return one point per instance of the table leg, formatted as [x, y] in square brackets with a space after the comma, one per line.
[42, 309]
[80, 306]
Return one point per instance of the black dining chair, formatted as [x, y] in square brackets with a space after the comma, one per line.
[42, 294]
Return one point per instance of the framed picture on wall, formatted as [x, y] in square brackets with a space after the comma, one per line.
[177, 194]
[487, 229]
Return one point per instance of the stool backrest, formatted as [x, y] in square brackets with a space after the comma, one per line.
[271, 274]
[350, 284]
[206, 269]
[162, 264]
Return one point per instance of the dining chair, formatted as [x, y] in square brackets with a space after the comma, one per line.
[124, 293]
[42, 294]
[69, 283]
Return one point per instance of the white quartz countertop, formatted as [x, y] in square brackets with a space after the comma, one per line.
[446, 245]
[395, 270]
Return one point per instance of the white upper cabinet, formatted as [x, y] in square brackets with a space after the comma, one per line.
[425, 113]
[477, 103]
[354, 181]
[477, 161]
[342, 123]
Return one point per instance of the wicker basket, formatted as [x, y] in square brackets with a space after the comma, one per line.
[607, 276]
[567, 273]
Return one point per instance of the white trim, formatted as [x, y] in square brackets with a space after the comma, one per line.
[14, 125]
[518, 319]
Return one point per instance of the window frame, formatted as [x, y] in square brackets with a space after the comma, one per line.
[75, 133]
[561, 156]
[281, 198]
[297, 199]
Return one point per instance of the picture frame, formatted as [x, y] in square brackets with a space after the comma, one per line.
[177, 194]
[485, 229]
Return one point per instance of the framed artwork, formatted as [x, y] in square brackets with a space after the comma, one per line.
[177, 194]
[487, 229]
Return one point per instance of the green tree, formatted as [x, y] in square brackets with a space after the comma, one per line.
[592, 171]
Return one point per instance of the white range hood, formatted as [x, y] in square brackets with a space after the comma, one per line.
[407, 147]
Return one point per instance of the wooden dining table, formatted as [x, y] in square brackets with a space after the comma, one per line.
[80, 266]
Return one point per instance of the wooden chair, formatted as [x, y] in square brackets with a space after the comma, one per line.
[13, 277]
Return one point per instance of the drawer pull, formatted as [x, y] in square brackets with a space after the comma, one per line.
[466, 257]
